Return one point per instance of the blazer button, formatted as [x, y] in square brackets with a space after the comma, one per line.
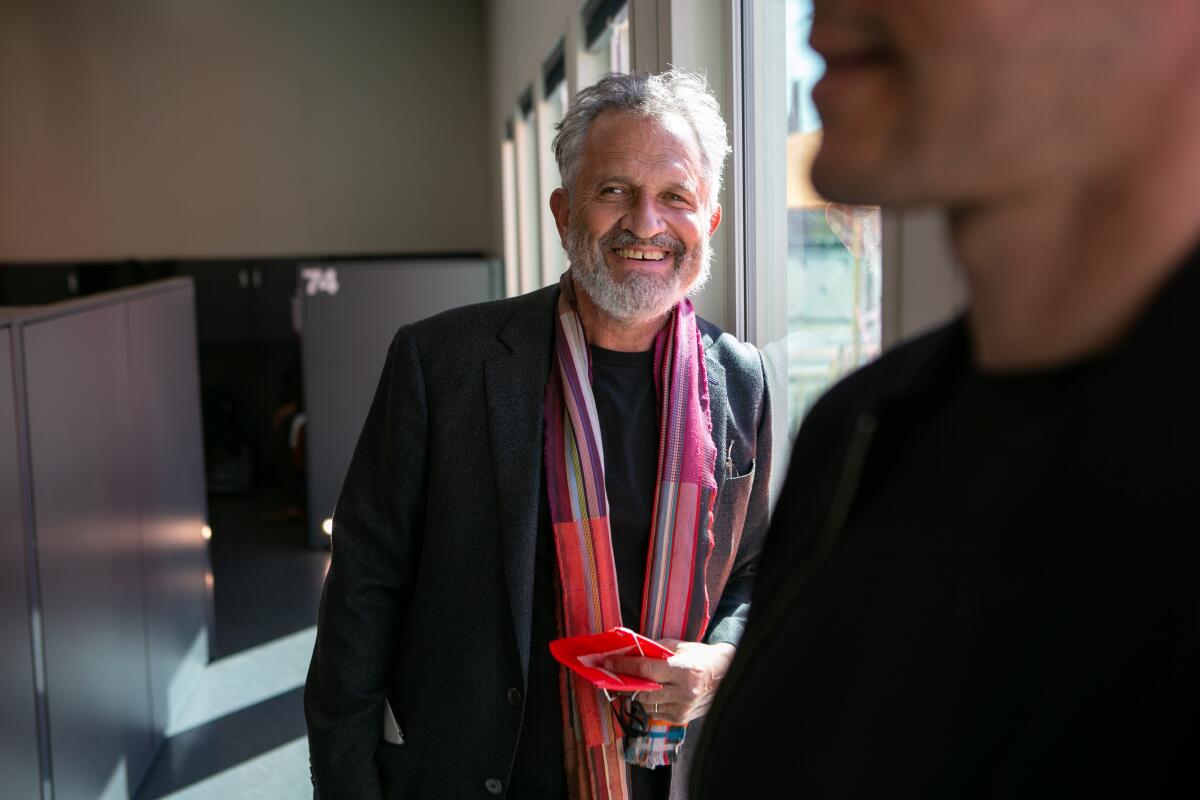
[514, 697]
[493, 786]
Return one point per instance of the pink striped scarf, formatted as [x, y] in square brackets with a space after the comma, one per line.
[676, 601]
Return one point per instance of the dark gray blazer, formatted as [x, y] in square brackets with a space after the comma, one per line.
[428, 601]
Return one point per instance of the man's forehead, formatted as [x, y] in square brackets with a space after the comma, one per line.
[623, 141]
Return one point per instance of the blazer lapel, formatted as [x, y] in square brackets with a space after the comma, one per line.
[718, 406]
[516, 388]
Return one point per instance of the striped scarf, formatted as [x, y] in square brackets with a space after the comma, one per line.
[676, 599]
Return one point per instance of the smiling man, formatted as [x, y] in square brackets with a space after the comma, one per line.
[982, 578]
[584, 457]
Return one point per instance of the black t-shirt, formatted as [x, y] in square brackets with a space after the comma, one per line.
[623, 385]
[627, 405]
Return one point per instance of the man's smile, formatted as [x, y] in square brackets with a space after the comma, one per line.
[641, 255]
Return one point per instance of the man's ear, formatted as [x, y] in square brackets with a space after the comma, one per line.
[560, 207]
[714, 220]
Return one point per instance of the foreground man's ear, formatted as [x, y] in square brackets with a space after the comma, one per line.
[560, 207]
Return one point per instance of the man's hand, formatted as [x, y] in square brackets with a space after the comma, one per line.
[689, 678]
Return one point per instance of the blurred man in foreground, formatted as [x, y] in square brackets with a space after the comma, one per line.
[982, 578]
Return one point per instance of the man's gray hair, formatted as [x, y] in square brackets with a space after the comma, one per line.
[672, 93]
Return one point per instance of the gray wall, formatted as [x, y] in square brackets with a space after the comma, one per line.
[345, 339]
[228, 128]
[18, 732]
[86, 518]
[115, 473]
[171, 497]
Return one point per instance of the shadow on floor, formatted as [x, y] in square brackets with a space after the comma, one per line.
[193, 755]
[266, 584]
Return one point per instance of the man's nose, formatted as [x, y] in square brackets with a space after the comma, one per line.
[642, 219]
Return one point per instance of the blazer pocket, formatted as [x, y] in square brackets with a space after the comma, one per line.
[393, 758]
[732, 502]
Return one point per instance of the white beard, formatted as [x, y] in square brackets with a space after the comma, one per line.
[639, 296]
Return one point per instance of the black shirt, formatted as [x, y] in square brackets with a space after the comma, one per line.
[623, 385]
[947, 638]
[627, 405]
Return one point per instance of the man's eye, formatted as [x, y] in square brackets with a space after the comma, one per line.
[612, 190]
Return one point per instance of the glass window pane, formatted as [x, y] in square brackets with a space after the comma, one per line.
[816, 297]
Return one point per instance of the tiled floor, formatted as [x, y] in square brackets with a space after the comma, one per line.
[241, 733]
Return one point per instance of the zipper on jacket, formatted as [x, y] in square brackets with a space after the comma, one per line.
[839, 510]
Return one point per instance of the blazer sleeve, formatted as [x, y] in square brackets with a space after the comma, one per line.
[375, 549]
[733, 609]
